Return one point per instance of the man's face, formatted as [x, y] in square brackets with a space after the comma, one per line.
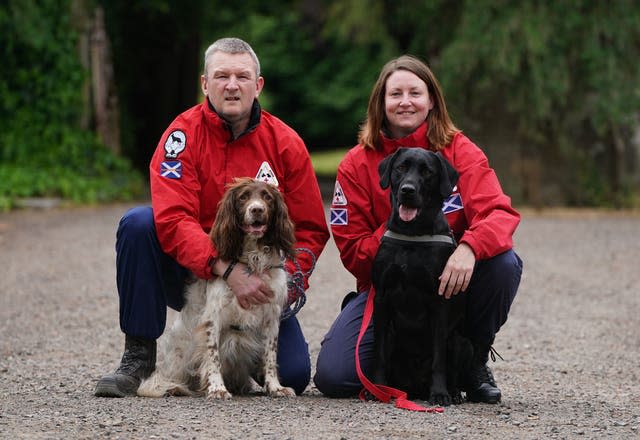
[231, 85]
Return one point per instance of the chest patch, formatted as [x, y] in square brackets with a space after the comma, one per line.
[175, 144]
[266, 174]
[339, 199]
[339, 217]
[452, 203]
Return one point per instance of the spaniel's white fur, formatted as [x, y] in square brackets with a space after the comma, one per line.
[215, 347]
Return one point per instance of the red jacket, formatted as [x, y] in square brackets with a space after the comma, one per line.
[197, 157]
[479, 213]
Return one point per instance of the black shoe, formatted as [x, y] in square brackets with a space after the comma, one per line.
[480, 386]
[138, 362]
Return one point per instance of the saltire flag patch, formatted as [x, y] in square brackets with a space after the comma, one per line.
[338, 217]
[452, 203]
[171, 169]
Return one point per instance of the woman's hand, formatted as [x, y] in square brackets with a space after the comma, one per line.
[457, 272]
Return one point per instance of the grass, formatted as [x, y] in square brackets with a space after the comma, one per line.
[325, 163]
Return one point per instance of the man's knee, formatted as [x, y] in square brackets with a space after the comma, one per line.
[294, 363]
[136, 220]
[296, 373]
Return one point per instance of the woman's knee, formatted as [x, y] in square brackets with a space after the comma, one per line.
[335, 379]
[505, 265]
[327, 379]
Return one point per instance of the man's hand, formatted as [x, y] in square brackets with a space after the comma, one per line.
[249, 289]
[457, 272]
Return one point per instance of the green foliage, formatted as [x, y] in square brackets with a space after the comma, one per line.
[553, 59]
[559, 75]
[43, 152]
[559, 81]
[318, 71]
[325, 163]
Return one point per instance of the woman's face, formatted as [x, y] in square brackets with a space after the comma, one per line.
[406, 103]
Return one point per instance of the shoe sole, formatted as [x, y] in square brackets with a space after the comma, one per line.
[477, 399]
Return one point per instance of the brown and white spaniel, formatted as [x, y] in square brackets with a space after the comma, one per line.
[215, 347]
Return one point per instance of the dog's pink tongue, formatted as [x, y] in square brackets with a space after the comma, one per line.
[407, 214]
[255, 230]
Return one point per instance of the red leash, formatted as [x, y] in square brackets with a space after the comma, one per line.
[382, 392]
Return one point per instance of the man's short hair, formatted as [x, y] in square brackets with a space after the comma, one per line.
[231, 45]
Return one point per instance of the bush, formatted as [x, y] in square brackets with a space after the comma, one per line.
[43, 150]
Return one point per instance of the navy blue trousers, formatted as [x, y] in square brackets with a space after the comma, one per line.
[149, 281]
[490, 293]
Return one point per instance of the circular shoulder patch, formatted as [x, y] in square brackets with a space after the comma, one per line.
[175, 144]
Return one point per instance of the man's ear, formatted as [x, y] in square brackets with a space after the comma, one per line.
[448, 176]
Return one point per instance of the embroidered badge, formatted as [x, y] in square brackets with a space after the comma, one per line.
[171, 169]
[453, 203]
[339, 217]
[266, 174]
[339, 198]
[175, 144]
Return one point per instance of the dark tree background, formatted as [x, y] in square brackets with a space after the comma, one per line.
[550, 90]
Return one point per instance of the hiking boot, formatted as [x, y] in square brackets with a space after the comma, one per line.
[138, 362]
[479, 384]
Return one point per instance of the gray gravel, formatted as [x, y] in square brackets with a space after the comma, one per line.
[571, 346]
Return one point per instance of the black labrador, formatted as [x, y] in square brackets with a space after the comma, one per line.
[418, 344]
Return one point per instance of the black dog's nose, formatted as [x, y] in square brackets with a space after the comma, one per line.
[408, 189]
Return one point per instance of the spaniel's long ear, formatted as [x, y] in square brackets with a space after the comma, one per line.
[226, 232]
[385, 167]
[281, 226]
[448, 176]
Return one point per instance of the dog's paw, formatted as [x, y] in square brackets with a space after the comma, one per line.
[456, 398]
[282, 392]
[440, 398]
[274, 389]
[218, 394]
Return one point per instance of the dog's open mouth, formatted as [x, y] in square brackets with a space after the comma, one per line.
[255, 228]
[407, 213]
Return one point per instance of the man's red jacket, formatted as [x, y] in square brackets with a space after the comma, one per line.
[197, 158]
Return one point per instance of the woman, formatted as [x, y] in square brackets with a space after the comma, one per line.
[407, 108]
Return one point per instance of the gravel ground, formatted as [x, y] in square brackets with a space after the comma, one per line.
[570, 347]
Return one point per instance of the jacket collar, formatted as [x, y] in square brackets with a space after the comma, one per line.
[254, 119]
[416, 139]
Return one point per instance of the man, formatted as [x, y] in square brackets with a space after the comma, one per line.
[203, 149]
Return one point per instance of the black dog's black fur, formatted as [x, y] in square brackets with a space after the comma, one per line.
[418, 344]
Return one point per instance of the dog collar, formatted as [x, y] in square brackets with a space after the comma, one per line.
[421, 238]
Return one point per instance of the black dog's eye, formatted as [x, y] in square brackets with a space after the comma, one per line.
[401, 168]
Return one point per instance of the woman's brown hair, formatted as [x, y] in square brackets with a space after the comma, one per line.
[441, 128]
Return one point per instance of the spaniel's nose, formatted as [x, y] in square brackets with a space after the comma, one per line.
[256, 209]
